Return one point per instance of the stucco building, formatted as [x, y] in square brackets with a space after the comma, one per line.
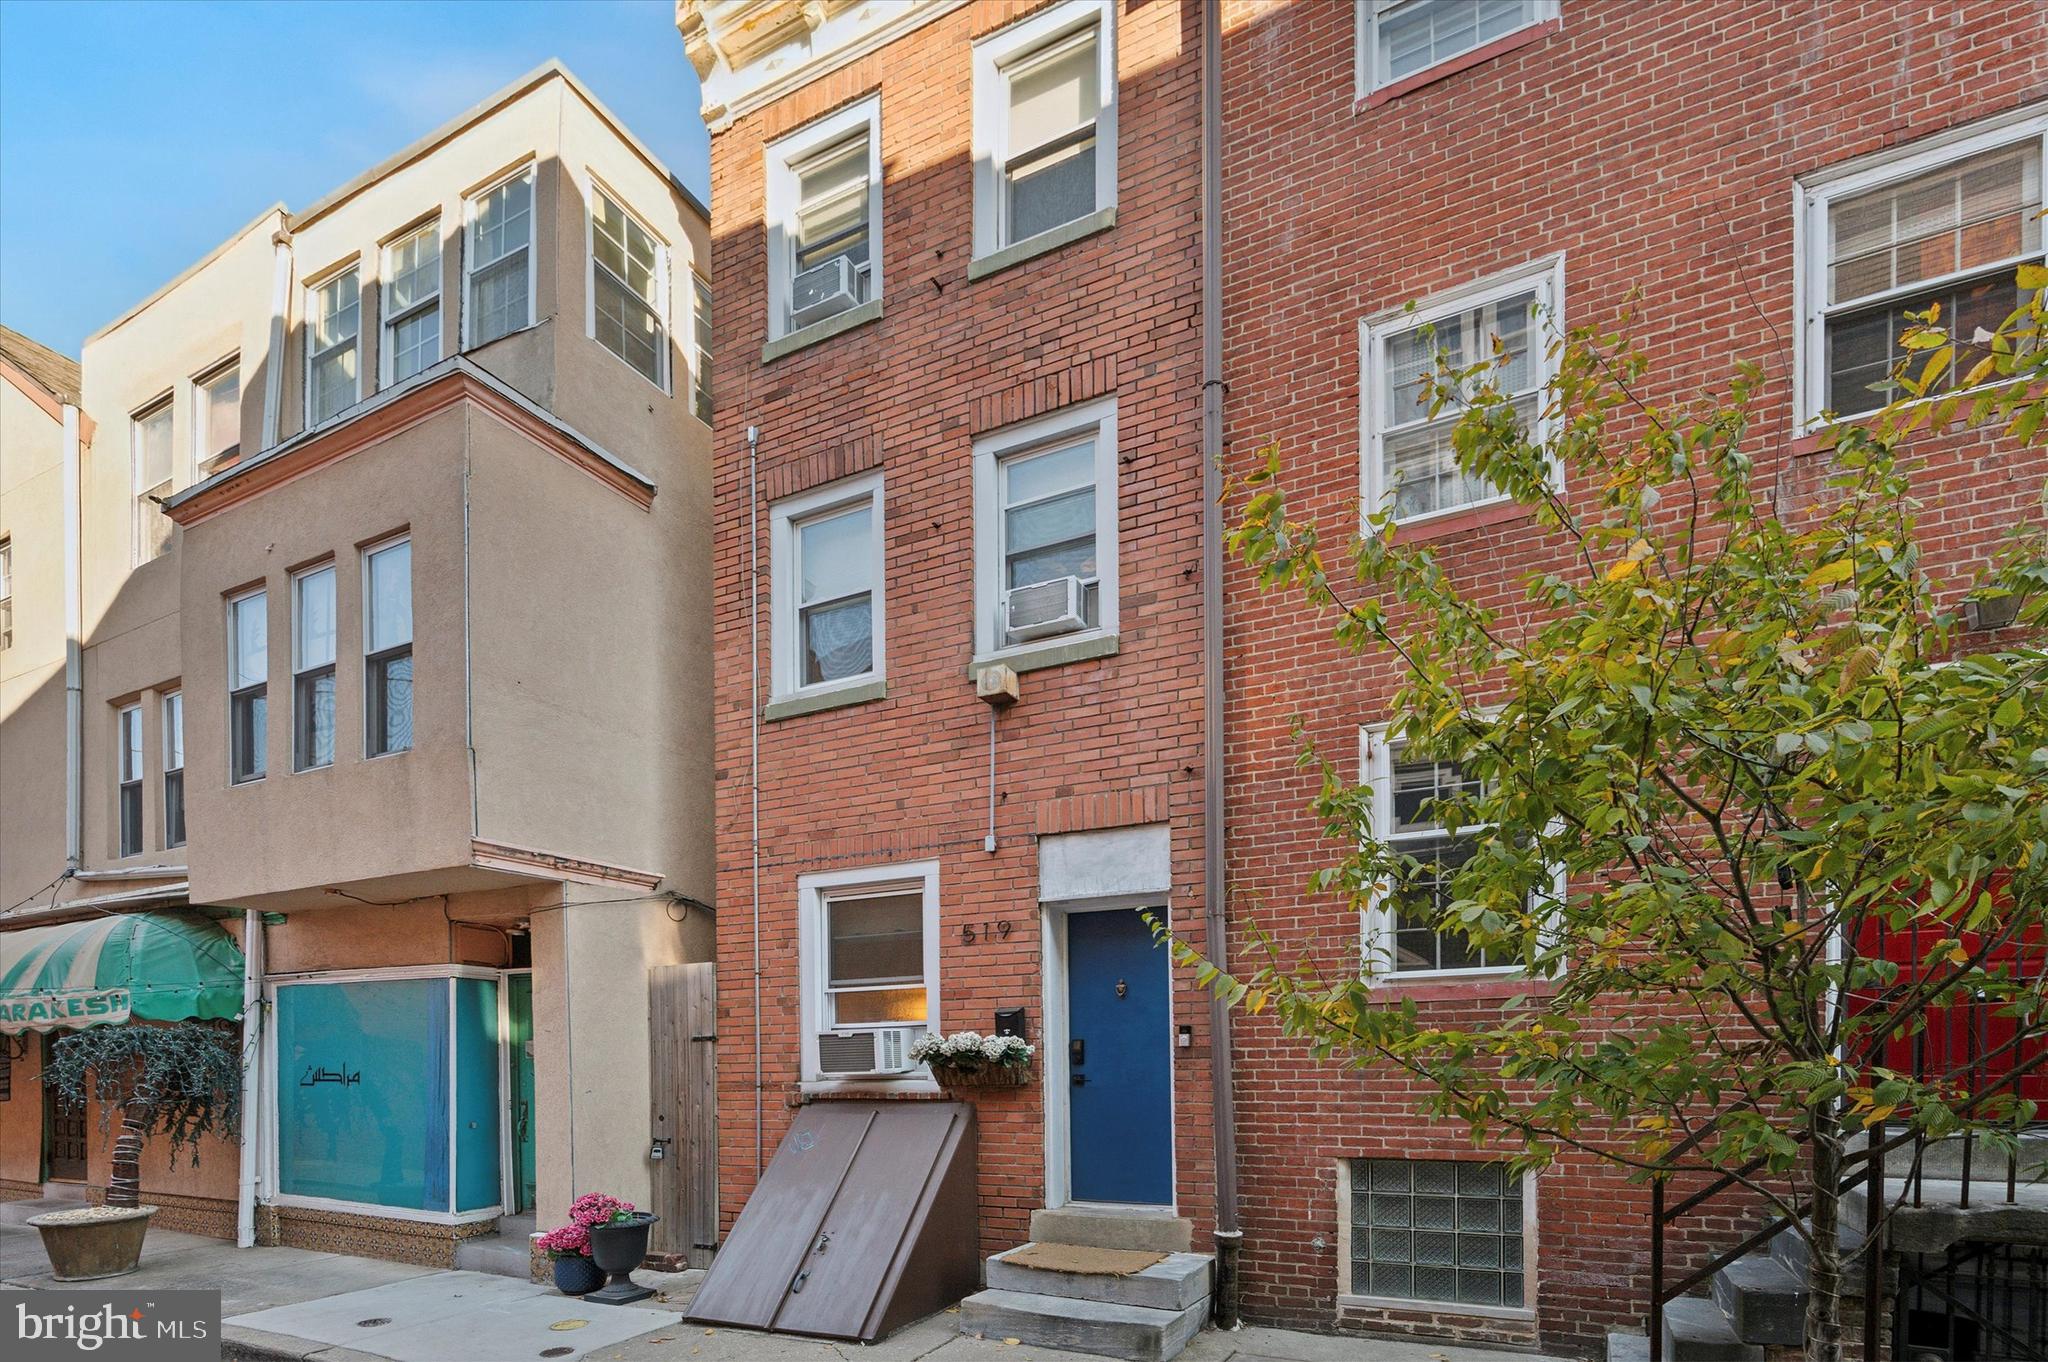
[390, 670]
[991, 314]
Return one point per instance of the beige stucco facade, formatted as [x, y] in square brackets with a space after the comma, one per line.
[551, 810]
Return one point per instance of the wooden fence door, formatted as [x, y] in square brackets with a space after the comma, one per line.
[684, 1006]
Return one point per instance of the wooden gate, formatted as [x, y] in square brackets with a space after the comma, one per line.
[684, 1005]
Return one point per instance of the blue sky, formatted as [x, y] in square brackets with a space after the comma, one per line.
[134, 137]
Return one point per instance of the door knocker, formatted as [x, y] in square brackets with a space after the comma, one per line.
[1122, 988]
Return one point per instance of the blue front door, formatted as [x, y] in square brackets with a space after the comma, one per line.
[1120, 1113]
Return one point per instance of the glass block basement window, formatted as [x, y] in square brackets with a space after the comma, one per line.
[1430, 1230]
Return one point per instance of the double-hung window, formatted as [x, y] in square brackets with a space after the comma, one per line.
[827, 599]
[1401, 928]
[151, 434]
[700, 338]
[1045, 530]
[1398, 39]
[334, 317]
[1947, 226]
[313, 668]
[498, 261]
[1045, 123]
[217, 414]
[248, 686]
[387, 648]
[6, 593]
[825, 218]
[868, 942]
[412, 303]
[174, 769]
[1409, 461]
[128, 764]
[628, 289]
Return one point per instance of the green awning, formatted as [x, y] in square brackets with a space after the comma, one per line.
[161, 966]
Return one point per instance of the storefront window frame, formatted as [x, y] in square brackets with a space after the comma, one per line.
[269, 1167]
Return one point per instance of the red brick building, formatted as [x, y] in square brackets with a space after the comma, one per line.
[997, 461]
[1559, 157]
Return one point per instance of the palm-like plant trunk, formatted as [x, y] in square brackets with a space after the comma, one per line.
[124, 1188]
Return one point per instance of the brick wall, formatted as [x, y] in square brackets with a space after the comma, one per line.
[1654, 147]
[1098, 743]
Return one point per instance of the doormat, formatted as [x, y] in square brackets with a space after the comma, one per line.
[1094, 1262]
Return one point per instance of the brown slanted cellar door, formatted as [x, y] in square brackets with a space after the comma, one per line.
[864, 1221]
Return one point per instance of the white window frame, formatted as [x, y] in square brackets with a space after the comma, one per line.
[1347, 1231]
[1812, 197]
[388, 320]
[1544, 278]
[786, 647]
[311, 292]
[127, 778]
[229, 610]
[302, 670]
[593, 189]
[373, 658]
[471, 265]
[700, 347]
[989, 452]
[784, 157]
[1376, 918]
[1366, 63]
[202, 404]
[1006, 47]
[6, 591]
[163, 407]
[814, 891]
[173, 712]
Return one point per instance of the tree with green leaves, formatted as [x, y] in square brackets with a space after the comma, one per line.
[184, 1080]
[1758, 806]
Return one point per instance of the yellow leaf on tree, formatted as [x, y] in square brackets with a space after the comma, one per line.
[1827, 574]
[1623, 569]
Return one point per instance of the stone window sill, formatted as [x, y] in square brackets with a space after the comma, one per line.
[1055, 653]
[869, 311]
[995, 262]
[791, 706]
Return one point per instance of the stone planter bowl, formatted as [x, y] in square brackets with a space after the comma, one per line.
[93, 1241]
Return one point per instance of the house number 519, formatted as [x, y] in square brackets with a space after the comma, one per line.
[971, 932]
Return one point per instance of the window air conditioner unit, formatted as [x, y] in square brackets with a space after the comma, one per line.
[867, 1054]
[821, 291]
[1044, 609]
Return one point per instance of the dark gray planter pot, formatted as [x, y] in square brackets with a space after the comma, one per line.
[618, 1249]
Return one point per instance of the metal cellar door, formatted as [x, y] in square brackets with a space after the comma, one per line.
[864, 1220]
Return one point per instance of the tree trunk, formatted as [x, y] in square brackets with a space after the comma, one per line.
[125, 1186]
[1824, 1260]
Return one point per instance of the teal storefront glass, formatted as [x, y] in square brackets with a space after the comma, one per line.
[364, 1104]
[476, 1095]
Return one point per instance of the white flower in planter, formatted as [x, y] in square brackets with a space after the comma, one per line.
[971, 1049]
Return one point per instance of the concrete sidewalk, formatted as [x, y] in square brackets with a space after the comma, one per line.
[292, 1305]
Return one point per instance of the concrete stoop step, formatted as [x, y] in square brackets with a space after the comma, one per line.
[1148, 1316]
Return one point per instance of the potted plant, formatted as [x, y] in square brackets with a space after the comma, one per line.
[604, 1234]
[569, 1247]
[184, 1081]
[968, 1059]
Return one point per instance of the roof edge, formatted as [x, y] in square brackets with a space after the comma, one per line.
[551, 69]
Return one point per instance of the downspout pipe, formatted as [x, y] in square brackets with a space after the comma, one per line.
[253, 965]
[754, 761]
[1223, 1104]
[74, 648]
[273, 372]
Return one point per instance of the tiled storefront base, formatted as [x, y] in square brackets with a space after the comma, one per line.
[207, 1215]
[366, 1236]
[11, 1190]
